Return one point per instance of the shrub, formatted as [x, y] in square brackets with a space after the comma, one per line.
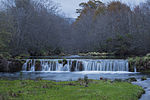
[64, 62]
[60, 61]
[141, 63]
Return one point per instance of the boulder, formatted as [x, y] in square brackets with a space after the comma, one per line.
[80, 66]
[132, 79]
[4, 65]
[73, 66]
[10, 65]
[143, 78]
[38, 66]
[15, 66]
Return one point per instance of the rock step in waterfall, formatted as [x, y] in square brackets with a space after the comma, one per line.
[75, 65]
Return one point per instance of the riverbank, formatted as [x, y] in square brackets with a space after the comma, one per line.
[142, 64]
[71, 90]
[10, 65]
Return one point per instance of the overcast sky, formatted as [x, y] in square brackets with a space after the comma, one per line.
[69, 6]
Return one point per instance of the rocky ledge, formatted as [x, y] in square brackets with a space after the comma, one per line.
[10, 65]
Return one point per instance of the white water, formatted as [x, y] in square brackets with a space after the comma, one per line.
[48, 65]
[135, 70]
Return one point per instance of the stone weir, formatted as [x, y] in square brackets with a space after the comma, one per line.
[71, 65]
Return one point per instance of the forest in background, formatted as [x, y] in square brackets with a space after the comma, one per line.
[35, 28]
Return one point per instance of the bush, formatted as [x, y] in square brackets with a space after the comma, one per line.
[141, 63]
[64, 62]
[60, 61]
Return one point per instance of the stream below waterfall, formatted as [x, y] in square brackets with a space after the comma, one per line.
[146, 85]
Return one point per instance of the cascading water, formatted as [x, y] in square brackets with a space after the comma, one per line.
[75, 65]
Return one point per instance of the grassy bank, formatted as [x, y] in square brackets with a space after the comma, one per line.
[73, 90]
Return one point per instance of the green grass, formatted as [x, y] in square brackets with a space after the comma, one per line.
[73, 90]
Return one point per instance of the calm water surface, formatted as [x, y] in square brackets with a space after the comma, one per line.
[65, 76]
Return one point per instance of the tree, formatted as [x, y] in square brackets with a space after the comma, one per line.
[5, 34]
[111, 29]
[37, 27]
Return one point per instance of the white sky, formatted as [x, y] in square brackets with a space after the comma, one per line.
[69, 6]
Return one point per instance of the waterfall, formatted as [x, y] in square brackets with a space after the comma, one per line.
[75, 65]
[135, 70]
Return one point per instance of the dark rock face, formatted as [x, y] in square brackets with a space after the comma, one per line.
[73, 66]
[38, 66]
[15, 66]
[10, 66]
[79, 66]
[4, 64]
[28, 68]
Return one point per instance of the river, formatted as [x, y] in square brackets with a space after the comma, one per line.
[73, 69]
